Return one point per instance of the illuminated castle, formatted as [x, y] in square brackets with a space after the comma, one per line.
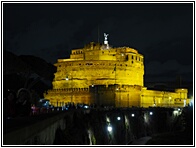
[102, 75]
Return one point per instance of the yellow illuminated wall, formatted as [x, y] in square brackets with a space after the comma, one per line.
[102, 76]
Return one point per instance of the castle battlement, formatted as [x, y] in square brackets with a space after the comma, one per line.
[102, 74]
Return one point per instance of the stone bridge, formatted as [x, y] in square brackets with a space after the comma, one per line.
[34, 130]
[103, 126]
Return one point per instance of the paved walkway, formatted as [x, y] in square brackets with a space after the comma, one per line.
[141, 141]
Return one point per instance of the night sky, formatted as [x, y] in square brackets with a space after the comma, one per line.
[162, 32]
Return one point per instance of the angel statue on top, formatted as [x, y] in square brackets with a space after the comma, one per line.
[106, 36]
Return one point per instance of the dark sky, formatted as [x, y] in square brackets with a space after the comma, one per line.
[162, 32]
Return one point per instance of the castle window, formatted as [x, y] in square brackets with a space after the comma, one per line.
[132, 62]
[136, 58]
[132, 56]
[126, 65]
[59, 65]
[102, 52]
[120, 64]
[79, 64]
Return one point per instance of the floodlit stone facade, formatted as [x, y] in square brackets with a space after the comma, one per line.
[103, 75]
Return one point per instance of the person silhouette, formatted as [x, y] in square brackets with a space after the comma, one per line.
[23, 105]
[10, 104]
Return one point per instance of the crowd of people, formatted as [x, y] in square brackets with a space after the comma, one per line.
[16, 104]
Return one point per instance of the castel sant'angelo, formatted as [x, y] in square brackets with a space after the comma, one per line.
[103, 75]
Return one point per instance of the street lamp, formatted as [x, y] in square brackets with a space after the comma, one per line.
[109, 128]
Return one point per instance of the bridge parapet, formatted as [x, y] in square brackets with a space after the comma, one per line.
[38, 133]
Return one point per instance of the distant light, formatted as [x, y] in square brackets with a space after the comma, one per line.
[109, 128]
[66, 78]
[191, 102]
[107, 119]
[117, 89]
[175, 112]
[92, 85]
[182, 89]
[151, 113]
[184, 102]
[86, 106]
[118, 118]
[133, 115]
[178, 109]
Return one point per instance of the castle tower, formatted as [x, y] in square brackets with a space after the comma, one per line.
[103, 75]
[93, 65]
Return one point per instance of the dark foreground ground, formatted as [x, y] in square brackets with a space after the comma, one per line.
[185, 136]
[173, 138]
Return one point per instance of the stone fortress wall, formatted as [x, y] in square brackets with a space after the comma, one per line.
[103, 75]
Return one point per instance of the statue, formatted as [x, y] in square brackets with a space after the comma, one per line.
[106, 36]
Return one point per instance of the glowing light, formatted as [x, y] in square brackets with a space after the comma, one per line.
[86, 106]
[107, 120]
[191, 102]
[184, 103]
[175, 112]
[133, 115]
[109, 128]
[178, 109]
[151, 113]
[66, 78]
[118, 118]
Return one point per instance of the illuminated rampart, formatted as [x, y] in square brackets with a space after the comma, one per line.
[102, 75]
